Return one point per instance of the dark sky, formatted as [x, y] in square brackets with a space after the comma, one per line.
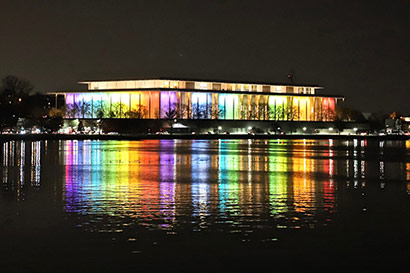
[359, 49]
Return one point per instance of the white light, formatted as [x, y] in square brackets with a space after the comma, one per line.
[219, 127]
[304, 128]
[355, 129]
[330, 129]
[249, 128]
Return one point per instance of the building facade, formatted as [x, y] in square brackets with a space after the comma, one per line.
[196, 99]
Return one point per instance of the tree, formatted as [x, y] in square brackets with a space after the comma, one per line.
[14, 102]
[263, 111]
[216, 112]
[395, 115]
[339, 124]
[291, 112]
[181, 110]
[184, 110]
[348, 114]
[277, 113]
[54, 121]
[54, 112]
[198, 111]
[100, 109]
[14, 88]
[80, 126]
[139, 112]
[85, 109]
[252, 113]
[117, 110]
[325, 115]
[170, 117]
[377, 121]
[38, 106]
[171, 114]
[73, 110]
[53, 124]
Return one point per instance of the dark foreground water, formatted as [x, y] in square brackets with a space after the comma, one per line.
[205, 206]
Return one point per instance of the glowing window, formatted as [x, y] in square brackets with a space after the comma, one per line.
[203, 86]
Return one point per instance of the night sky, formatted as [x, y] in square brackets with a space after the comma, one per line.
[359, 49]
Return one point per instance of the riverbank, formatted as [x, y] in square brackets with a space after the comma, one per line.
[34, 137]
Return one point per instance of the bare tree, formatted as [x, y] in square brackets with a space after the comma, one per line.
[101, 109]
[216, 112]
[15, 87]
[85, 108]
[117, 110]
[14, 94]
[262, 111]
[325, 115]
[277, 112]
[139, 112]
[72, 110]
[199, 111]
[291, 112]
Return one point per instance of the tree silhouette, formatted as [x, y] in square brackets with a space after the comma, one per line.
[13, 87]
[85, 108]
[100, 109]
[14, 102]
[138, 112]
[117, 110]
[216, 112]
[291, 112]
[72, 110]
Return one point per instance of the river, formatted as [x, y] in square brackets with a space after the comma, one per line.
[205, 206]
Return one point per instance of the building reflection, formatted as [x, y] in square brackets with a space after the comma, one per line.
[210, 181]
[165, 184]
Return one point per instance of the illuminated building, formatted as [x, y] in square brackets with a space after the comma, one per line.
[191, 99]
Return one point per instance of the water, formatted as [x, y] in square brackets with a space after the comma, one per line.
[204, 205]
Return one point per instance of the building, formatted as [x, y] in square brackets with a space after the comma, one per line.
[196, 99]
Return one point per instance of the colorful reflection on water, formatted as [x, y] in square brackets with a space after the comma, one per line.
[229, 185]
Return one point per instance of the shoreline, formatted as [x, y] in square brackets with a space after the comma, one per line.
[35, 137]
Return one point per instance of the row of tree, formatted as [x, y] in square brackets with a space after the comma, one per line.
[101, 109]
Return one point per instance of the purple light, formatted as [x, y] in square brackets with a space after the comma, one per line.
[168, 101]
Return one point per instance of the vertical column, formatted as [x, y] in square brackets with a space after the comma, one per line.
[149, 105]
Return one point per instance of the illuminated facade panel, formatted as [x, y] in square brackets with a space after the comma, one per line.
[178, 99]
[199, 85]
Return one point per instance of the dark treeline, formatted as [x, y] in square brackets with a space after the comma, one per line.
[21, 107]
